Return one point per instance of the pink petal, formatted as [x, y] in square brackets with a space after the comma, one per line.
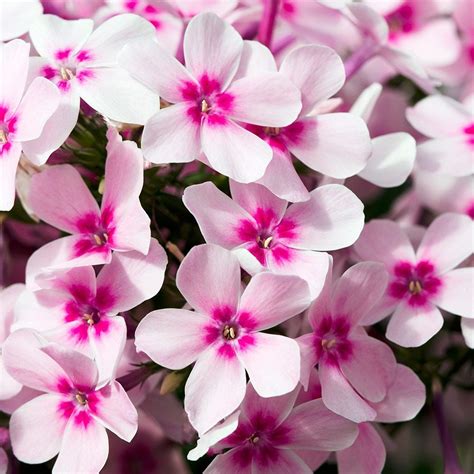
[413, 326]
[116, 95]
[370, 368]
[59, 196]
[156, 68]
[212, 47]
[36, 429]
[38, 104]
[405, 398]
[339, 396]
[447, 241]
[332, 219]
[317, 71]
[84, 449]
[384, 241]
[14, 64]
[8, 165]
[337, 144]
[392, 160]
[9, 386]
[217, 215]
[17, 18]
[273, 364]
[234, 151]
[131, 278]
[173, 338]
[51, 34]
[312, 426]
[207, 398]
[321, 306]
[467, 328]
[281, 461]
[116, 412]
[271, 299]
[365, 456]
[456, 292]
[256, 58]
[358, 290]
[171, 136]
[268, 99]
[209, 279]
[231, 461]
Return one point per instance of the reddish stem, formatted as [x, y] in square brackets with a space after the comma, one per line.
[267, 24]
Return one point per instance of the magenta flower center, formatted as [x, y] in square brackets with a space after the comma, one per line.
[7, 127]
[331, 339]
[146, 10]
[415, 283]
[402, 20]
[469, 132]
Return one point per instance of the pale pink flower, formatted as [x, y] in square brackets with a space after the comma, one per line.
[345, 354]
[209, 103]
[189, 8]
[60, 197]
[72, 10]
[421, 280]
[71, 417]
[23, 113]
[223, 335]
[450, 128]
[17, 17]
[78, 310]
[269, 234]
[275, 436]
[83, 64]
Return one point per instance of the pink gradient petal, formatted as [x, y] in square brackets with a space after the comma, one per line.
[413, 326]
[384, 241]
[229, 462]
[173, 338]
[59, 196]
[271, 299]
[217, 215]
[36, 429]
[339, 396]
[84, 449]
[447, 241]
[317, 71]
[358, 290]
[267, 99]
[365, 456]
[207, 396]
[209, 279]
[321, 306]
[337, 145]
[8, 165]
[234, 151]
[170, 136]
[9, 386]
[212, 47]
[282, 461]
[312, 426]
[273, 364]
[332, 219]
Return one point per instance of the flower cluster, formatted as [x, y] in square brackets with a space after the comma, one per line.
[233, 227]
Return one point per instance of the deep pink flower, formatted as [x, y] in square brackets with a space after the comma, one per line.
[223, 335]
[71, 417]
[60, 197]
[209, 101]
[421, 281]
[267, 234]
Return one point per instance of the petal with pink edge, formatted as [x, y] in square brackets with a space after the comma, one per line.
[447, 241]
[36, 429]
[271, 299]
[217, 215]
[384, 241]
[59, 196]
[272, 362]
[337, 145]
[234, 151]
[365, 456]
[209, 279]
[8, 164]
[332, 219]
[173, 338]
[413, 326]
[116, 412]
[312, 426]
[212, 47]
[317, 71]
[339, 396]
[207, 398]
[358, 290]
[84, 448]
